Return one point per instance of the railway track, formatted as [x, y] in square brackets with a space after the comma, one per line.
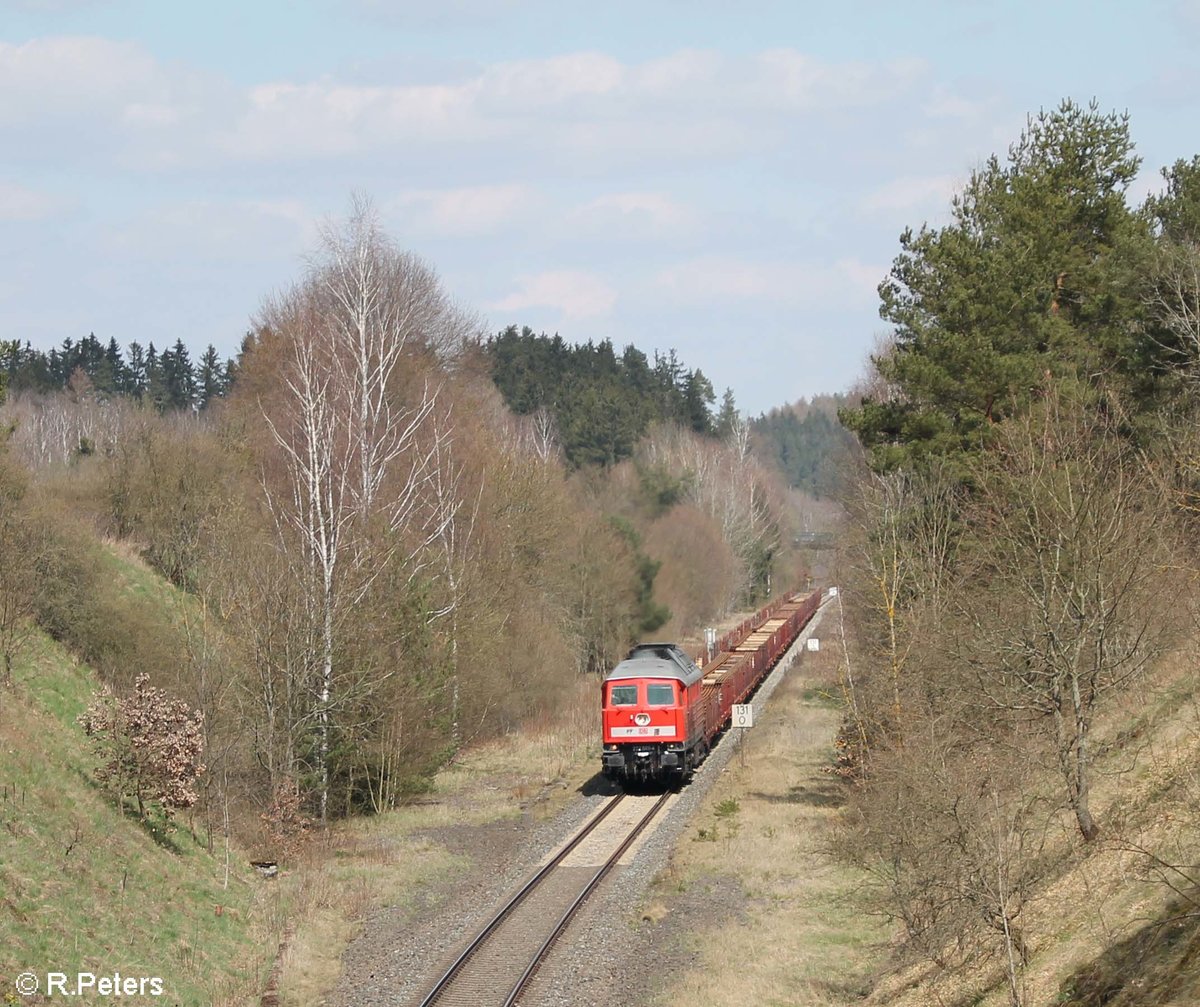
[500, 962]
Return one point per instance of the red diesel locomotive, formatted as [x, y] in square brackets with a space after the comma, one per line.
[662, 712]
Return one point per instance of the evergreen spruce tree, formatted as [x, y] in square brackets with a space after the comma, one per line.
[698, 397]
[179, 379]
[727, 418]
[156, 385]
[135, 377]
[210, 378]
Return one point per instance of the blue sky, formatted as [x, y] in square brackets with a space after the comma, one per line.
[729, 180]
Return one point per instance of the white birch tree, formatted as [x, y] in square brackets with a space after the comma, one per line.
[349, 430]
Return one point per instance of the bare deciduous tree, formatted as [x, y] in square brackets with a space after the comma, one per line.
[950, 835]
[1174, 301]
[902, 563]
[725, 482]
[454, 543]
[1074, 540]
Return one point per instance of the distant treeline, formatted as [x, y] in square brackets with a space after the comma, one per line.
[595, 404]
[600, 403]
[167, 379]
[806, 440]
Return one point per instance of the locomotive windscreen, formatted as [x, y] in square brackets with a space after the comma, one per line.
[623, 695]
[660, 695]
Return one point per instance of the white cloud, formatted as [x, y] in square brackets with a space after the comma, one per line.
[554, 80]
[678, 73]
[583, 106]
[808, 284]
[472, 210]
[20, 203]
[284, 120]
[105, 101]
[805, 81]
[575, 293]
[627, 215]
[70, 74]
[913, 192]
[214, 231]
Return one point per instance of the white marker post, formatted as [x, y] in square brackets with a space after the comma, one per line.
[743, 720]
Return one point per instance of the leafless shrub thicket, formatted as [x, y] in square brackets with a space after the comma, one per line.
[994, 625]
[724, 482]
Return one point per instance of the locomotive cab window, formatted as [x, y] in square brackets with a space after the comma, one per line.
[623, 695]
[660, 695]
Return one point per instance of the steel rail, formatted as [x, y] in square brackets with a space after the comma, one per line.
[510, 906]
[527, 977]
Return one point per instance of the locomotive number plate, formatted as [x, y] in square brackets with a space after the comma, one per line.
[641, 732]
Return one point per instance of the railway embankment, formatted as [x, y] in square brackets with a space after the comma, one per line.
[749, 906]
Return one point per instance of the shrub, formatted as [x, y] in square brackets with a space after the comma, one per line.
[150, 746]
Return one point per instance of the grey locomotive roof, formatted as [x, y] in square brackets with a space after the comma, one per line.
[656, 660]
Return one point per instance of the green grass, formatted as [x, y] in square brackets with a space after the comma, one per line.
[135, 580]
[84, 887]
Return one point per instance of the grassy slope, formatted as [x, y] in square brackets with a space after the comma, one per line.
[83, 887]
[1108, 929]
[121, 900]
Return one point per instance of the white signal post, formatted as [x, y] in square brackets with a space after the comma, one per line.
[743, 720]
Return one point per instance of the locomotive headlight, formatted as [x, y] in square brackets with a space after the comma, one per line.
[642, 719]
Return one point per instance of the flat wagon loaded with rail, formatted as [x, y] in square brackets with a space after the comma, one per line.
[662, 710]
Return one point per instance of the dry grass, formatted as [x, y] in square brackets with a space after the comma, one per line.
[1106, 930]
[341, 877]
[538, 768]
[796, 939]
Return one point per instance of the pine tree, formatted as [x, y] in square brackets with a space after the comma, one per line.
[1037, 273]
[727, 419]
